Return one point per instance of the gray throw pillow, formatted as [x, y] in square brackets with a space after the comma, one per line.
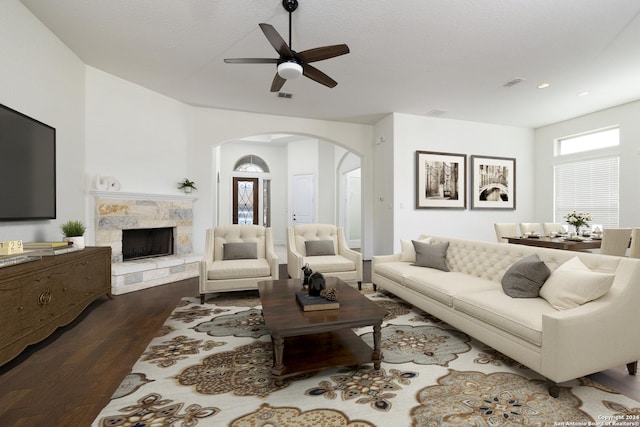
[433, 256]
[319, 247]
[525, 277]
[240, 250]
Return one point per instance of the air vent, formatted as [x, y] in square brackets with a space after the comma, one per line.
[285, 95]
[513, 82]
[436, 113]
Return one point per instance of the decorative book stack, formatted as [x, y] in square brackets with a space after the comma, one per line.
[49, 248]
[315, 303]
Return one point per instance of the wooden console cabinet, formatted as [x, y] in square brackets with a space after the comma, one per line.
[39, 296]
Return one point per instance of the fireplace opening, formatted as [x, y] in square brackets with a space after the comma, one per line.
[146, 243]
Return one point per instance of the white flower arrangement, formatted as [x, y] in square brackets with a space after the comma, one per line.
[578, 219]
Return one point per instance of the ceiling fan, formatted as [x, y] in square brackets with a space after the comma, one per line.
[292, 64]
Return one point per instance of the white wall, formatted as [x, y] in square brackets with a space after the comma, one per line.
[327, 188]
[136, 135]
[626, 116]
[412, 133]
[42, 78]
[383, 186]
[347, 172]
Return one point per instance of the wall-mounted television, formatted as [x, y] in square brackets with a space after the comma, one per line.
[27, 167]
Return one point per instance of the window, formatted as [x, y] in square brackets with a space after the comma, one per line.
[588, 184]
[588, 141]
[251, 163]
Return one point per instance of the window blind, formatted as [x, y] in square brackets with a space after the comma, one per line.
[589, 186]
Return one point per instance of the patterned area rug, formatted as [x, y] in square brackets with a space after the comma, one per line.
[210, 364]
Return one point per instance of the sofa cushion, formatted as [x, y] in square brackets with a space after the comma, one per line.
[431, 255]
[521, 317]
[327, 264]
[239, 250]
[525, 278]
[238, 269]
[407, 251]
[444, 286]
[573, 284]
[319, 247]
[398, 270]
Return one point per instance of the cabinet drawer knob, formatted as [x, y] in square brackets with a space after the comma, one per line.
[45, 297]
[21, 308]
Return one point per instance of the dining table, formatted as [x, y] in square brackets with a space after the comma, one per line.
[559, 242]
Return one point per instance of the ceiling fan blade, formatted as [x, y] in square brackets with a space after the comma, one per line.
[276, 40]
[251, 60]
[317, 75]
[277, 83]
[325, 52]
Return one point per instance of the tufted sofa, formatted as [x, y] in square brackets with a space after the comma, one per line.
[256, 263]
[559, 344]
[343, 263]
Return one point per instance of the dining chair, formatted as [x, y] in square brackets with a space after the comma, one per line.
[552, 227]
[615, 241]
[634, 251]
[530, 228]
[505, 229]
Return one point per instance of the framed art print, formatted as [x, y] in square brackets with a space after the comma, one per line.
[441, 180]
[493, 182]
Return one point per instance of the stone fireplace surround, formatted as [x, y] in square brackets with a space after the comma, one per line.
[116, 211]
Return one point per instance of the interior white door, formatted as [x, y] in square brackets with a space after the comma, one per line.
[303, 199]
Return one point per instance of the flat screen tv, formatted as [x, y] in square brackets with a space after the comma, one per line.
[27, 167]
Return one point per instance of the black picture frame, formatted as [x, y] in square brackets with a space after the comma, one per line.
[493, 182]
[441, 180]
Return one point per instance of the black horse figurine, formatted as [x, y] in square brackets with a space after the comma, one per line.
[307, 274]
[316, 284]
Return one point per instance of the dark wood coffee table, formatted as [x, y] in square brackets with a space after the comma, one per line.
[305, 341]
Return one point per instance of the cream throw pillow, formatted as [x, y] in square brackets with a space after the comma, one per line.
[408, 252]
[573, 284]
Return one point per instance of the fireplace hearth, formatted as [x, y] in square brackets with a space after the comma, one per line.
[143, 243]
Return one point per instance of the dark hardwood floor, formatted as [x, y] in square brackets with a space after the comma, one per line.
[68, 378]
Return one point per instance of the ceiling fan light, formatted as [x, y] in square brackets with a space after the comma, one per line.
[289, 70]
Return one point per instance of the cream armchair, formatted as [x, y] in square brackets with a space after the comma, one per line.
[236, 258]
[324, 248]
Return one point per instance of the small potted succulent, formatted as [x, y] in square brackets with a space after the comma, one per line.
[187, 185]
[73, 231]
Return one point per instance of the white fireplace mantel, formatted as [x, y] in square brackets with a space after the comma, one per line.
[141, 196]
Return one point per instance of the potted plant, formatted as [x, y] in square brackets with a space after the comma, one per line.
[73, 231]
[187, 185]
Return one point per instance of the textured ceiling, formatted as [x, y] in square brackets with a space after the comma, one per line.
[409, 56]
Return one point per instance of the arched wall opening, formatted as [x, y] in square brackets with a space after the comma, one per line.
[288, 157]
[211, 128]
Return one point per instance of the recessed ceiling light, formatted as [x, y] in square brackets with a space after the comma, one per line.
[584, 93]
[544, 85]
